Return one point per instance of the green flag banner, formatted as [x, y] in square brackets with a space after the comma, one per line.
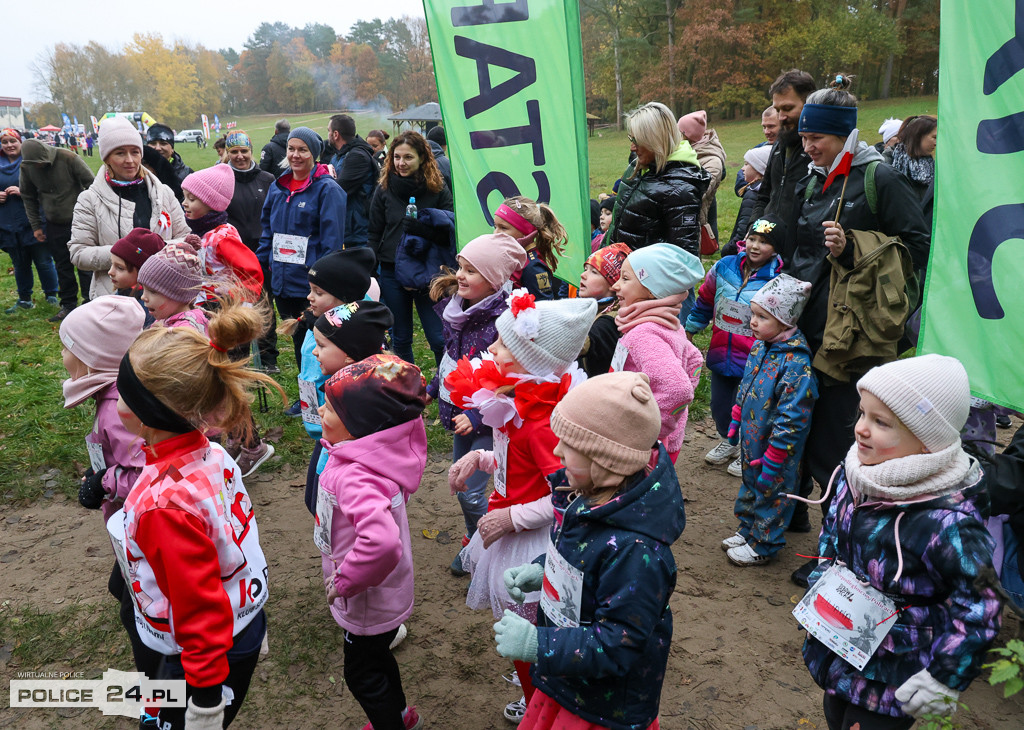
[510, 82]
[974, 297]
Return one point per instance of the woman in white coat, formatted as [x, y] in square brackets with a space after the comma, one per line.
[124, 195]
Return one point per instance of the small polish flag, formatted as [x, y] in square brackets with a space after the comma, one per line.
[844, 160]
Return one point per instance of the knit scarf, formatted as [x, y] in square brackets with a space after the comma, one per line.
[118, 184]
[911, 478]
[920, 170]
[456, 316]
[206, 223]
[664, 311]
[9, 166]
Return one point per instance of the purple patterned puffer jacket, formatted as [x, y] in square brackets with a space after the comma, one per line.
[947, 624]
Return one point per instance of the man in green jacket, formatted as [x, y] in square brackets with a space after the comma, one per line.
[51, 181]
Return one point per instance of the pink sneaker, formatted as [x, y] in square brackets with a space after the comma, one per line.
[410, 717]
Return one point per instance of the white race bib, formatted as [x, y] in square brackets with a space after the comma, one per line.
[562, 592]
[290, 249]
[96, 459]
[325, 504]
[619, 358]
[733, 317]
[309, 402]
[845, 615]
[500, 460]
[447, 366]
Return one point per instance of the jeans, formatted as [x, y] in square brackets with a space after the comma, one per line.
[400, 301]
[23, 255]
[474, 500]
[372, 675]
[723, 397]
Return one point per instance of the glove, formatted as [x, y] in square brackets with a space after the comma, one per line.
[462, 469]
[414, 227]
[516, 638]
[522, 580]
[922, 694]
[91, 494]
[733, 434]
[205, 718]
[771, 466]
[495, 525]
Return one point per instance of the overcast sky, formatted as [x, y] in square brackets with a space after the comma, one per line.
[32, 28]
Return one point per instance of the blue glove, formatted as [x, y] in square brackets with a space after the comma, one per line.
[516, 638]
[523, 579]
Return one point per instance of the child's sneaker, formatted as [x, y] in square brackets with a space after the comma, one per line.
[745, 557]
[514, 711]
[736, 468]
[51, 299]
[399, 637]
[722, 453]
[249, 460]
[410, 718]
[20, 304]
[734, 541]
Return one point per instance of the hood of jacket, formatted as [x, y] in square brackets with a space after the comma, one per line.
[864, 154]
[318, 172]
[651, 505]
[435, 148]
[710, 145]
[684, 153]
[35, 151]
[796, 343]
[395, 454]
[280, 139]
[359, 143]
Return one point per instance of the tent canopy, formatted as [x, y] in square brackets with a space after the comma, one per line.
[425, 115]
[49, 128]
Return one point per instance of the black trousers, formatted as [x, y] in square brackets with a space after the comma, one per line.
[68, 278]
[147, 660]
[831, 434]
[292, 308]
[372, 675]
[268, 343]
[841, 715]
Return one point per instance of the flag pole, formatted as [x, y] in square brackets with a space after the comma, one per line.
[839, 208]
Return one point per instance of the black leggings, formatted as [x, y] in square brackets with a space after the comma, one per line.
[841, 715]
[372, 675]
[292, 308]
[147, 660]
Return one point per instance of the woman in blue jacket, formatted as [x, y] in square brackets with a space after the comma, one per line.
[303, 220]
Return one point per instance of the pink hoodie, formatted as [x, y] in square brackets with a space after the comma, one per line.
[122, 451]
[371, 480]
[673, 364]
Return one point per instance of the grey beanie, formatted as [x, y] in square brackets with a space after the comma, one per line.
[545, 337]
[310, 138]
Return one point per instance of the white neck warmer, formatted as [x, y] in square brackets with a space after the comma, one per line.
[910, 478]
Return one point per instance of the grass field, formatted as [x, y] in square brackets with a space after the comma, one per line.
[41, 449]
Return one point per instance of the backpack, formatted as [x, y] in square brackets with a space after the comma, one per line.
[868, 306]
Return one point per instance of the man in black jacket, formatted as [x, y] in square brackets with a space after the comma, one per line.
[439, 146]
[161, 138]
[273, 152]
[356, 170]
[788, 161]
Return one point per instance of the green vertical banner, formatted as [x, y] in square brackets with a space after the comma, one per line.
[510, 82]
[974, 299]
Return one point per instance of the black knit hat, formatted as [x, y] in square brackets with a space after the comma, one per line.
[345, 274]
[771, 228]
[595, 213]
[160, 133]
[358, 329]
[608, 204]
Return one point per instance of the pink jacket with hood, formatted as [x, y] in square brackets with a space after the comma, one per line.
[122, 451]
[372, 479]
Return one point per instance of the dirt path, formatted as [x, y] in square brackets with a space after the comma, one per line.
[735, 658]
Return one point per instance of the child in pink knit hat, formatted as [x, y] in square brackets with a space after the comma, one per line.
[171, 280]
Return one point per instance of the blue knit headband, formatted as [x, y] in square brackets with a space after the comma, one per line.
[828, 119]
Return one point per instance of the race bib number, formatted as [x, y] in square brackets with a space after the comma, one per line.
[848, 617]
[619, 358]
[308, 401]
[447, 365]
[733, 317]
[290, 249]
[96, 460]
[500, 460]
[325, 504]
[562, 591]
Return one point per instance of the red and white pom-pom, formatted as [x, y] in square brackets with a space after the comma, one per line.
[523, 307]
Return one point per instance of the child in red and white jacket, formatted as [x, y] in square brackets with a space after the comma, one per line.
[651, 288]
[377, 448]
[187, 540]
[527, 371]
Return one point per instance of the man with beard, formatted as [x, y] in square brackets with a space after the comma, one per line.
[788, 161]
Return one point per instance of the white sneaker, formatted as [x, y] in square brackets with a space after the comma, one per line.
[745, 557]
[399, 637]
[734, 541]
[514, 711]
[722, 453]
[736, 467]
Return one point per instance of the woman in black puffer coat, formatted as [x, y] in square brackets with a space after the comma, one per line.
[661, 190]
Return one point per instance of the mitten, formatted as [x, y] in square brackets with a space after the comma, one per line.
[922, 694]
[523, 579]
[516, 638]
[494, 525]
[204, 718]
[91, 494]
[771, 466]
[733, 434]
[462, 469]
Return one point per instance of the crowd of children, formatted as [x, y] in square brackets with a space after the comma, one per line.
[573, 404]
